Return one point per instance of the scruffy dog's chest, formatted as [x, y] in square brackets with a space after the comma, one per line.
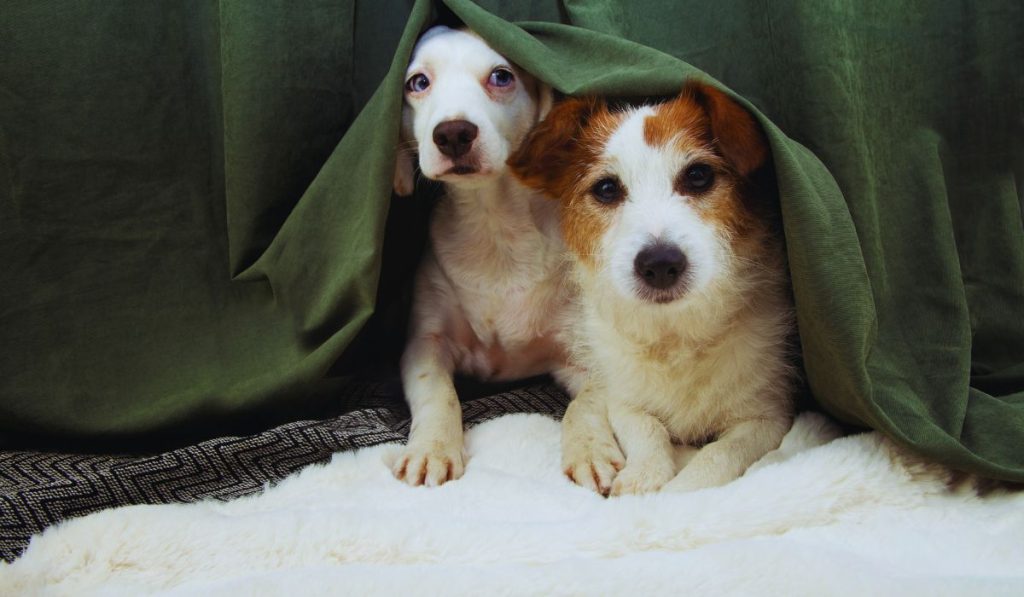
[696, 384]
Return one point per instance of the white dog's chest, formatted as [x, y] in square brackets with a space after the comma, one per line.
[502, 349]
[512, 323]
[510, 295]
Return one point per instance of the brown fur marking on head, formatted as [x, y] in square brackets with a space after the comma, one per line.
[561, 158]
[584, 219]
[735, 132]
[556, 158]
[679, 116]
[543, 160]
[703, 113]
[704, 117]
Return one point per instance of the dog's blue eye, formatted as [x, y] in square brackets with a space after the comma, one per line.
[501, 77]
[416, 83]
[607, 190]
[698, 177]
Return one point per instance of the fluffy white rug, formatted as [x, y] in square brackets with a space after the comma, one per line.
[818, 516]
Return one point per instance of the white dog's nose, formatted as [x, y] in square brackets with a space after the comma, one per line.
[660, 265]
[454, 138]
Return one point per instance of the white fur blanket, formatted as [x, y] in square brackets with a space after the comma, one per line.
[818, 516]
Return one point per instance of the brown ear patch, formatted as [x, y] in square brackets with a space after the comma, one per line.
[557, 158]
[707, 115]
[735, 132]
[552, 150]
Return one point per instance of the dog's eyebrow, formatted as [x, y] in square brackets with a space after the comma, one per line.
[706, 154]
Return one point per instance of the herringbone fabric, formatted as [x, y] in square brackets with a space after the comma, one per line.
[38, 489]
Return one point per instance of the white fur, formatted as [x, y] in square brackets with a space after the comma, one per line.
[489, 293]
[815, 517]
[710, 363]
[458, 64]
[653, 211]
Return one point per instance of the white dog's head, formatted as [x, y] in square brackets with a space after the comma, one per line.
[655, 199]
[466, 110]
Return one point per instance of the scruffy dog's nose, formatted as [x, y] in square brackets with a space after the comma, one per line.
[454, 137]
[660, 265]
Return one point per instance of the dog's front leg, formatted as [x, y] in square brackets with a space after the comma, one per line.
[648, 448]
[728, 457]
[590, 455]
[433, 454]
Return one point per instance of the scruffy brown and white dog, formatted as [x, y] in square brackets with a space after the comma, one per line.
[490, 292]
[683, 313]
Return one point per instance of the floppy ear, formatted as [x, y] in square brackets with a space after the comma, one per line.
[545, 157]
[737, 134]
[545, 99]
[405, 157]
[405, 171]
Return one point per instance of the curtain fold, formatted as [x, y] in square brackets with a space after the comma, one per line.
[197, 221]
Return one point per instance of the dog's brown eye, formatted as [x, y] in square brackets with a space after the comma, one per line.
[501, 77]
[698, 177]
[607, 190]
[416, 83]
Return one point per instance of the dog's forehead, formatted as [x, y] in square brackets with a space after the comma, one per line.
[627, 152]
[681, 122]
[627, 139]
[651, 138]
[443, 49]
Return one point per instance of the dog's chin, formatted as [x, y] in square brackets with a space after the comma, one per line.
[656, 297]
[465, 175]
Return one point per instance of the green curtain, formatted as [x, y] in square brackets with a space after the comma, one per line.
[197, 221]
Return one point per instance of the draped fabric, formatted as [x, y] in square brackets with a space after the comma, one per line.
[197, 229]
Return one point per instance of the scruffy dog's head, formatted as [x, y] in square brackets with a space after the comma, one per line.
[655, 199]
[466, 109]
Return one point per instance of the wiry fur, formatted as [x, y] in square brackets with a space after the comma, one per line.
[703, 363]
[489, 292]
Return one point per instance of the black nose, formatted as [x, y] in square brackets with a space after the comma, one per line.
[454, 137]
[660, 265]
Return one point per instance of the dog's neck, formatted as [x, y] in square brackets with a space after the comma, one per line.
[491, 193]
[500, 205]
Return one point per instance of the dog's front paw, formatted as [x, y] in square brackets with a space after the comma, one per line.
[638, 479]
[430, 463]
[592, 464]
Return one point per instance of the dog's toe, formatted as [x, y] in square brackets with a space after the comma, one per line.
[400, 467]
[586, 475]
[430, 467]
[443, 469]
[594, 468]
[638, 480]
